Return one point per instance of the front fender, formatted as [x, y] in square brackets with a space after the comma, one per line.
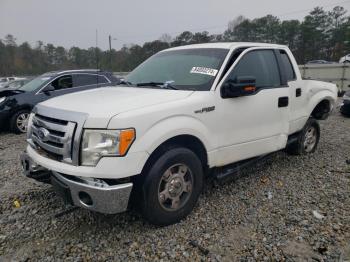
[170, 127]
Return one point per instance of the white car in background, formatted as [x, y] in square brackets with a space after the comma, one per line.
[345, 59]
[5, 80]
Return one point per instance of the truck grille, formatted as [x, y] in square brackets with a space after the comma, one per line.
[53, 137]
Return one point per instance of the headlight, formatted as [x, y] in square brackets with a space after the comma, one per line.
[2, 99]
[100, 143]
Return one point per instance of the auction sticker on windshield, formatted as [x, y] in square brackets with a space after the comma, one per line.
[204, 71]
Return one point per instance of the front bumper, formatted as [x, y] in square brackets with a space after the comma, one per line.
[4, 118]
[93, 194]
[128, 166]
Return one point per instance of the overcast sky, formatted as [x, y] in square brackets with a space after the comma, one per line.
[74, 22]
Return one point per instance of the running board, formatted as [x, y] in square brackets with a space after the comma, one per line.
[225, 172]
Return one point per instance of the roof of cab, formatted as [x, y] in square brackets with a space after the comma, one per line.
[227, 45]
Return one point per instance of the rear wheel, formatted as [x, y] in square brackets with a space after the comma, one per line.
[19, 122]
[172, 186]
[307, 139]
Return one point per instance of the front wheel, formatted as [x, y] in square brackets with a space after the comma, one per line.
[307, 139]
[19, 122]
[171, 187]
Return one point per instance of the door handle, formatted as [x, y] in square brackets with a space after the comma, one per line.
[298, 92]
[283, 101]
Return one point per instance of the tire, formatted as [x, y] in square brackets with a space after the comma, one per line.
[344, 112]
[307, 139]
[171, 187]
[19, 122]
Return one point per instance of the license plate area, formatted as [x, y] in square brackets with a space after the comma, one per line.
[62, 190]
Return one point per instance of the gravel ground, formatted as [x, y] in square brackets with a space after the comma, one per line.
[285, 208]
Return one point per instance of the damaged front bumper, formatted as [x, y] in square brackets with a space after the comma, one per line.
[90, 193]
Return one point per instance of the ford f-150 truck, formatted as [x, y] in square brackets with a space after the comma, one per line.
[185, 113]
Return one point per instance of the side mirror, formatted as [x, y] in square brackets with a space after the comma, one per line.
[48, 89]
[240, 86]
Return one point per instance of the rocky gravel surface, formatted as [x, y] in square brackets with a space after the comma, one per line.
[287, 208]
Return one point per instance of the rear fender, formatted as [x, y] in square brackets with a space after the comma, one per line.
[317, 97]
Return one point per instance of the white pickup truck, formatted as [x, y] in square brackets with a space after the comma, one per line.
[185, 113]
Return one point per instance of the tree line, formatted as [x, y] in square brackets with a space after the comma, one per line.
[321, 34]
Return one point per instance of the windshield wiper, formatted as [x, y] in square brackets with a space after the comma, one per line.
[166, 85]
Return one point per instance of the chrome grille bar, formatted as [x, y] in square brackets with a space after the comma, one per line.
[50, 142]
[48, 125]
[56, 133]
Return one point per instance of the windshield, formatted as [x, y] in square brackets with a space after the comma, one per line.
[36, 83]
[188, 69]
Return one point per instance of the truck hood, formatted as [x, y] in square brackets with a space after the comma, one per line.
[103, 103]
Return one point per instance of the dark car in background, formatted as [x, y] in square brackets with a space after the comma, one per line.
[16, 105]
[345, 107]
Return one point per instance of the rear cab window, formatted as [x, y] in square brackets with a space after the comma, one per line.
[287, 66]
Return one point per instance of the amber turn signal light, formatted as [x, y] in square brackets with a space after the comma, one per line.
[249, 88]
[126, 138]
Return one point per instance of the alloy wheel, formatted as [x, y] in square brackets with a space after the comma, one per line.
[22, 122]
[310, 139]
[175, 187]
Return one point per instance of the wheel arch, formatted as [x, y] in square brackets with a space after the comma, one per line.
[322, 109]
[188, 141]
[20, 108]
[321, 103]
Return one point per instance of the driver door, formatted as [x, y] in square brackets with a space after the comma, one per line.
[256, 123]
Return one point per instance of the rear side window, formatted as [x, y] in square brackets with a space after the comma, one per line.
[87, 79]
[287, 65]
[260, 64]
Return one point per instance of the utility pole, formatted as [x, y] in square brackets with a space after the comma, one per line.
[96, 51]
[110, 52]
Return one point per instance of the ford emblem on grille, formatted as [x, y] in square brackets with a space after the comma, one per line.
[43, 134]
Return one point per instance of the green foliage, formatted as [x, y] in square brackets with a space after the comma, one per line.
[321, 35]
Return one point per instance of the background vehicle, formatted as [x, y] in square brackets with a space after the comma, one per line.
[345, 59]
[345, 106]
[183, 113]
[15, 105]
[5, 80]
[319, 62]
[16, 84]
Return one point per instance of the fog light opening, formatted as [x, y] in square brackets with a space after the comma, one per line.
[25, 165]
[85, 198]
